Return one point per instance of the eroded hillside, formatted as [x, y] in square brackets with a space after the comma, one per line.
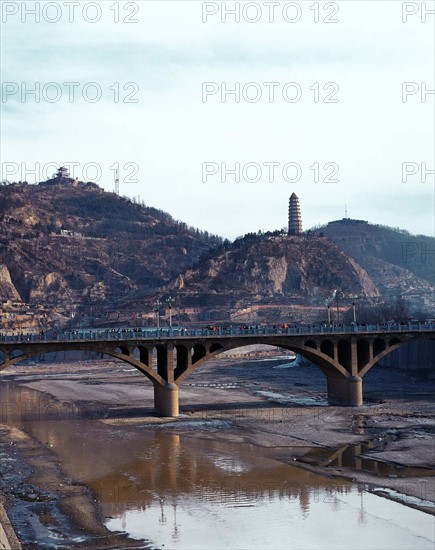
[62, 244]
[276, 270]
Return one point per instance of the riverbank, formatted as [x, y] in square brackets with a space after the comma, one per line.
[8, 538]
[387, 446]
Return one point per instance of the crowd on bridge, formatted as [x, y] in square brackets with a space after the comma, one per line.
[123, 333]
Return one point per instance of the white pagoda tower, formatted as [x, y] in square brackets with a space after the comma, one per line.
[294, 216]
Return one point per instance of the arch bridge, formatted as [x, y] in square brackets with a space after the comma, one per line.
[344, 354]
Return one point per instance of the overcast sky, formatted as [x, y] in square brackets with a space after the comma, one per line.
[162, 71]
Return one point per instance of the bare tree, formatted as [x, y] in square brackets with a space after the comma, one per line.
[381, 313]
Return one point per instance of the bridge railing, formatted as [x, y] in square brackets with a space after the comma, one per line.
[170, 333]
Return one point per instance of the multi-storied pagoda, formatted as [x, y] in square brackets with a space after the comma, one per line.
[294, 216]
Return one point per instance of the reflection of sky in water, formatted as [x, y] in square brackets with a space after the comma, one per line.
[349, 520]
[183, 491]
[230, 464]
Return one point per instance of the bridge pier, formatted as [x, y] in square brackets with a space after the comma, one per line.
[355, 391]
[166, 399]
[166, 394]
[345, 391]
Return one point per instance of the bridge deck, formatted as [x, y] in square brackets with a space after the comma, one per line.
[167, 356]
[175, 333]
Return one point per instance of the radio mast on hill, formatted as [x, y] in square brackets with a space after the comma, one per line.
[117, 181]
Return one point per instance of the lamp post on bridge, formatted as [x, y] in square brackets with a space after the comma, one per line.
[169, 301]
[329, 314]
[337, 293]
[157, 305]
[354, 312]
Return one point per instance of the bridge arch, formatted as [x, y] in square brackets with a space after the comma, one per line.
[125, 357]
[15, 356]
[344, 357]
[325, 362]
[15, 353]
[310, 344]
[394, 343]
[215, 347]
[123, 350]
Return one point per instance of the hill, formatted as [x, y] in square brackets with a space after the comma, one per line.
[69, 249]
[69, 244]
[271, 277]
[275, 276]
[399, 263]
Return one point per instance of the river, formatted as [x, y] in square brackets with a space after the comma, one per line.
[182, 486]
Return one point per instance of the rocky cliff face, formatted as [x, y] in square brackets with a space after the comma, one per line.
[7, 288]
[275, 270]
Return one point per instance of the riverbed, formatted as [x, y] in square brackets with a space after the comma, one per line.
[257, 459]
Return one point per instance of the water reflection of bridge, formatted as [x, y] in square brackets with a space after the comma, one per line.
[156, 471]
[344, 354]
[138, 469]
[358, 457]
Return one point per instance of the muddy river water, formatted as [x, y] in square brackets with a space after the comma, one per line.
[176, 485]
